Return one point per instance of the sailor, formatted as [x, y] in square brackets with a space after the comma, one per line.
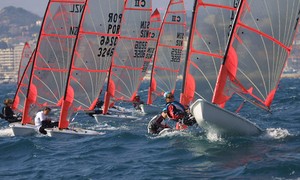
[42, 120]
[177, 112]
[157, 124]
[7, 112]
[137, 102]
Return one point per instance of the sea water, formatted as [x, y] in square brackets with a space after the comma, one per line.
[126, 151]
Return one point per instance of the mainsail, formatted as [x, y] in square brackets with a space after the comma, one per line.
[54, 49]
[95, 45]
[168, 53]
[25, 57]
[207, 43]
[21, 92]
[128, 58]
[261, 42]
[155, 23]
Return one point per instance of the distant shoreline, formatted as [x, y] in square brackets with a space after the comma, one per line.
[291, 75]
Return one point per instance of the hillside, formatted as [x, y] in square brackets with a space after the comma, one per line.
[16, 22]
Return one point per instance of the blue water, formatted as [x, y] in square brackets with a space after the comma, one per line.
[126, 151]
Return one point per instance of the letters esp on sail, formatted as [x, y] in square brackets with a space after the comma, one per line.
[96, 42]
[54, 49]
[128, 58]
[155, 24]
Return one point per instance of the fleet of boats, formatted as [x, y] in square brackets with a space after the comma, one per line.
[86, 47]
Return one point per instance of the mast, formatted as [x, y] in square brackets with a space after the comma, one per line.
[22, 88]
[29, 95]
[206, 48]
[188, 51]
[168, 54]
[92, 55]
[53, 55]
[260, 43]
[107, 94]
[149, 100]
[129, 56]
[233, 27]
[25, 57]
[63, 121]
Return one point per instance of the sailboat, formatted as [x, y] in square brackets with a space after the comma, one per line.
[51, 60]
[258, 46]
[168, 54]
[128, 57]
[155, 24]
[96, 42]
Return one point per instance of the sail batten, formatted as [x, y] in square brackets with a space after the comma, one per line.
[206, 48]
[261, 44]
[21, 92]
[128, 58]
[94, 48]
[53, 55]
[168, 54]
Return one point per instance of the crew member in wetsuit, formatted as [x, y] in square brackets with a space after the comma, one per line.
[156, 124]
[137, 102]
[176, 112]
[7, 112]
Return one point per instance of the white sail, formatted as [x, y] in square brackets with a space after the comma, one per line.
[129, 56]
[168, 55]
[98, 35]
[206, 48]
[52, 59]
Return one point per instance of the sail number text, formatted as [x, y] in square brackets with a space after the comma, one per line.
[111, 42]
[140, 3]
[140, 49]
[114, 20]
[175, 55]
[150, 52]
[77, 8]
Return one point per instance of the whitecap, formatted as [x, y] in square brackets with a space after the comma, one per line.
[6, 132]
[276, 133]
[109, 127]
[213, 135]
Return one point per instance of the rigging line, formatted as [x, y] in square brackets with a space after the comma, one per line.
[253, 102]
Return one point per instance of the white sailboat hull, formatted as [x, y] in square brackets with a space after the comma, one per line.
[209, 115]
[108, 117]
[56, 132]
[23, 130]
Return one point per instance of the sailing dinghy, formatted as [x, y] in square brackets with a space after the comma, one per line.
[258, 46]
[51, 60]
[94, 48]
[155, 24]
[20, 96]
[128, 58]
[168, 53]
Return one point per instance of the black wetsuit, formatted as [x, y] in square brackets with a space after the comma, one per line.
[47, 124]
[9, 115]
[155, 125]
